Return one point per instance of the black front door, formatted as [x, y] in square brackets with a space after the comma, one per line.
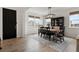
[9, 23]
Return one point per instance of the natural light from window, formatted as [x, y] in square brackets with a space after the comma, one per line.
[35, 21]
[47, 22]
[74, 20]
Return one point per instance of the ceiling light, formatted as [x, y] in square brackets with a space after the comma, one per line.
[49, 15]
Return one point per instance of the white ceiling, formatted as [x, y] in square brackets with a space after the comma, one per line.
[18, 8]
[40, 11]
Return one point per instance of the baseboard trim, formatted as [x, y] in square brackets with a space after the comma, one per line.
[70, 37]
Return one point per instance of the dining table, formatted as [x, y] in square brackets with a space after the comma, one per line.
[54, 30]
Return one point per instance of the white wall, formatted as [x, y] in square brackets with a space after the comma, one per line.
[71, 32]
[1, 23]
[20, 18]
[29, 29]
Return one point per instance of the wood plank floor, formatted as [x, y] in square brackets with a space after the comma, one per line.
[30, 43]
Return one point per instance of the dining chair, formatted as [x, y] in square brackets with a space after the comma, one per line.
[59, 36]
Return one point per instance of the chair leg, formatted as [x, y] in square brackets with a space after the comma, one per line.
[49, 37]
[58, 39]
[53, 37]
[62, 38]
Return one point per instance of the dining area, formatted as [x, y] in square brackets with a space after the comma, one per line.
[52, 34]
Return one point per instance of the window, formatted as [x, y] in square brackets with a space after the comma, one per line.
[47, 22]
[35, 21]
[74, 19]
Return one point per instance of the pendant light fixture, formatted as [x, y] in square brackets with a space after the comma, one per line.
[49, 15]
